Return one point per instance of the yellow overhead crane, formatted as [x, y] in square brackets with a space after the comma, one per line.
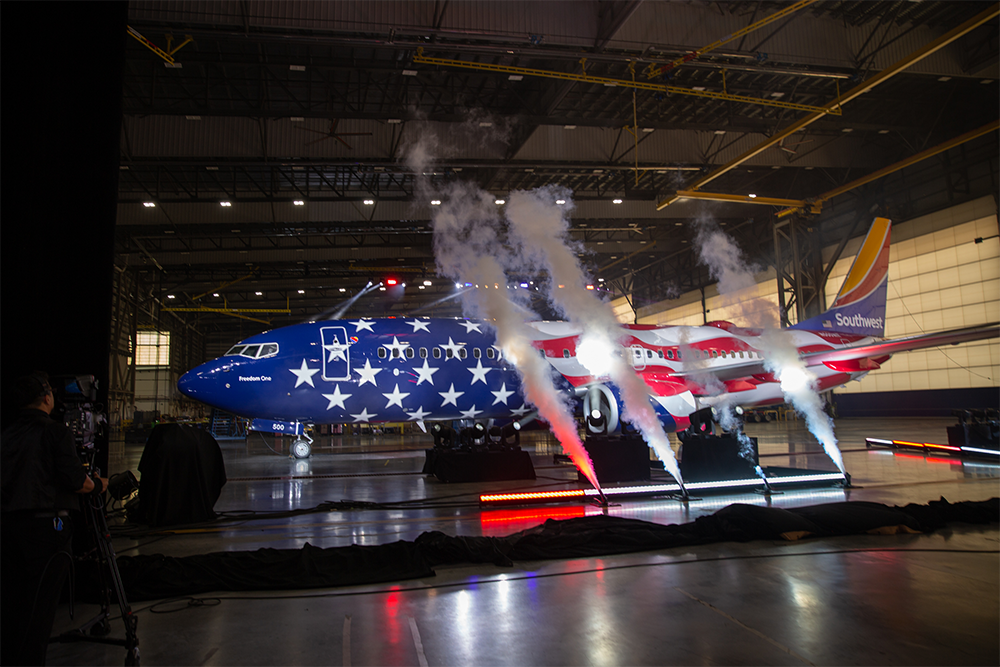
[611, 82]
[654, 70]
[987, 15]
[815, 204]
[233, 312]
[168, 55]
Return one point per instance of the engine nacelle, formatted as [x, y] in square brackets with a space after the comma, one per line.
[600, 409]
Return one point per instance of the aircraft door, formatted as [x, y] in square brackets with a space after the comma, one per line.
[638, 357]
[336, 354]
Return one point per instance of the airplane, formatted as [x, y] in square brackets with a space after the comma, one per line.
[439, 370]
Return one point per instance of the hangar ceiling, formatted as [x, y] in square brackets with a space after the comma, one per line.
[265, 104]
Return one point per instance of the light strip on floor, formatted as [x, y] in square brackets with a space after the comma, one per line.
[977, 450]
[657, 489]
[929, 445]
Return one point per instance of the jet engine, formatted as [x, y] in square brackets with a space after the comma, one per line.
[600, 409]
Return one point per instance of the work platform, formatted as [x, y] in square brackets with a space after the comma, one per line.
[865, 599]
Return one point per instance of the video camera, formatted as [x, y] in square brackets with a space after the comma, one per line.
[76, 402]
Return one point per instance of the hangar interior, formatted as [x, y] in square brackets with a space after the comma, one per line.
[264, 160]
[277, 159]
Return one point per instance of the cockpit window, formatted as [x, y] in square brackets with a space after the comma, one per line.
[254, 351]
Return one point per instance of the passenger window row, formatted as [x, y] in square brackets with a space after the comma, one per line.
[383, 353]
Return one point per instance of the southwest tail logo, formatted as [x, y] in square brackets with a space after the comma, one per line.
[860, 305]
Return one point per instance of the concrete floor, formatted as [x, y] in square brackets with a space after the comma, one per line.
[866, 600]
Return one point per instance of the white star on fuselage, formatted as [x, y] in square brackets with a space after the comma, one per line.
[453, 346]
[304, 374]
[479, 372]
[367, 373]
[502, 395]
[363, 416]
[418, 326]
[336, 398]
[450, 396]
[418, 414]
[471, 326]
[395, 397]
[396, 349]
[336, 350]
[361, 324]
[470, 413]
[521, 411]
[425, 373]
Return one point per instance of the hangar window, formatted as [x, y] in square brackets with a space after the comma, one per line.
[437, 352]
[409, 352]
[381, 353]
[489, 353]
[423, 353]
[152, 348]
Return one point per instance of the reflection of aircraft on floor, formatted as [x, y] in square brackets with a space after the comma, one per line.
[445, 370]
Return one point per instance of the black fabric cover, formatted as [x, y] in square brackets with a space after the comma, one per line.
[156, 576]
[182, 475]
[151, 577]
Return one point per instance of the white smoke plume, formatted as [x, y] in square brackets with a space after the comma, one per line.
[798, 385]
[468, 248]
[538, 229]
[735, 277]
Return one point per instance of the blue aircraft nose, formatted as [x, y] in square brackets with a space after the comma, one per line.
[197, 382]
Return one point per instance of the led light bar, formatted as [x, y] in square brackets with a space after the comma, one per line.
[978, 450]
[658, 489]
[952, 449]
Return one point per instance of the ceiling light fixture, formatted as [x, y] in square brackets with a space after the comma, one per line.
[369, 202]
[149, 204]
[299, 202]
[225, 203]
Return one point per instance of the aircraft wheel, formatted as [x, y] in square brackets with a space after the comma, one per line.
[301, 449]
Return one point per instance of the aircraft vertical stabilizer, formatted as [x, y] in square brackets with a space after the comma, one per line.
[860, 305]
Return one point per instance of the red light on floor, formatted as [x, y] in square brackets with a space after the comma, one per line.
[948, 447]
[537, 495]
[511, 516]
[391, 282]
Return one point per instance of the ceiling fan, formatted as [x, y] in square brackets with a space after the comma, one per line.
[333, 134]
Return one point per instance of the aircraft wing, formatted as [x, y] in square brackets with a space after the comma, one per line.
[857, 353]
[894, 345]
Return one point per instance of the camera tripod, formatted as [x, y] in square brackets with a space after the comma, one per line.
[109, 578]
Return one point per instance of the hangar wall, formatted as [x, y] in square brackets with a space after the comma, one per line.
[939, 278]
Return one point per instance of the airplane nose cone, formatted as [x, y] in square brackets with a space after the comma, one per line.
[194, 383]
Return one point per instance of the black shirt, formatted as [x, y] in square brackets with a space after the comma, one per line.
[38, 465]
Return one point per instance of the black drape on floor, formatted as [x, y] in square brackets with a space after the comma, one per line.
[153, 577]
